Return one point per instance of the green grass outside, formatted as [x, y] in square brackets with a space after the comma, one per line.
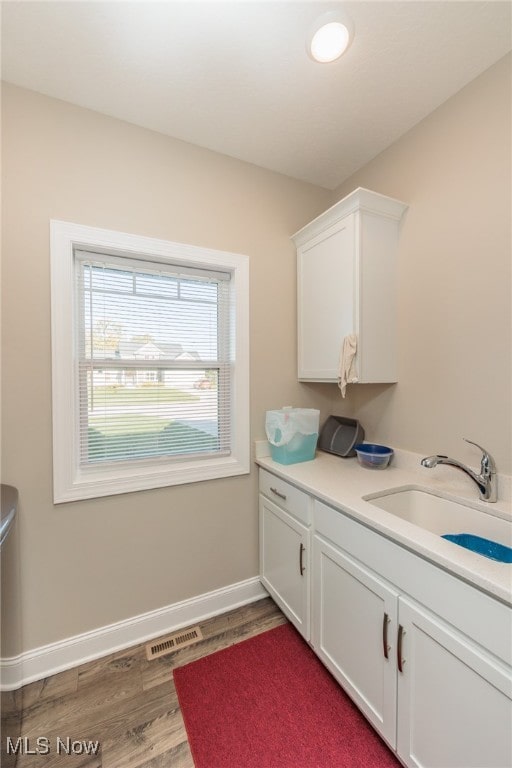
[137, 436]
[117, 395]
[130, 423]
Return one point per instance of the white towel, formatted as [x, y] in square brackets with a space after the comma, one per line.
[347, 373]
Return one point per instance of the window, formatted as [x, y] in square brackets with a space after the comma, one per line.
[150, 362]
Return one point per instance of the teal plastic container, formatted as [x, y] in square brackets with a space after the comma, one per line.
[292, 434]
[300, 448]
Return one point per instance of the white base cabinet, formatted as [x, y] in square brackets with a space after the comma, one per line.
[425, 656]
[434, 696]
[454, 700]
[285, 550]
[354, 614]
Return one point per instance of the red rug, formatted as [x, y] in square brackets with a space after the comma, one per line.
[268, 702]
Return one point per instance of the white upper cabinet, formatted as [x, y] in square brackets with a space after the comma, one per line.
[346, 276]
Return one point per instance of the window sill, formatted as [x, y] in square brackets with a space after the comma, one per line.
[98, 482]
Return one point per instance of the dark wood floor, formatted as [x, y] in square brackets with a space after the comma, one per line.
[127, 703]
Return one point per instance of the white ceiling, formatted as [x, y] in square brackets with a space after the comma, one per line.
[234, 76]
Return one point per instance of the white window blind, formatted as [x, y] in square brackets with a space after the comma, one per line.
[153, 358]
[150, 362]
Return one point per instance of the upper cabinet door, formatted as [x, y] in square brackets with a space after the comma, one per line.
[326, 279]
[346, 276]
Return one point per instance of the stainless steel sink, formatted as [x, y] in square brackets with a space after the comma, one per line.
[442, 515]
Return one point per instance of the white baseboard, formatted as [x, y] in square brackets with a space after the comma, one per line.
[73, 651]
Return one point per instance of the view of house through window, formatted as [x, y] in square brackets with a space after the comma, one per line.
[153, 359]
[150, 362]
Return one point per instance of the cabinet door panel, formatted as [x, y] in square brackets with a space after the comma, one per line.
[349, 609]
[325, 283]
[281, 558]
[454, 702]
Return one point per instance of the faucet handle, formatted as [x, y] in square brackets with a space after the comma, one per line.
[488, 465]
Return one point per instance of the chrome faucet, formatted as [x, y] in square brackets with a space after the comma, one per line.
[486, 480]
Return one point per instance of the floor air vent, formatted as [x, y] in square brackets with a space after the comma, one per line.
[172, 642]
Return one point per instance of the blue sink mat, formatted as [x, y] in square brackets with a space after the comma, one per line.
[484, 547]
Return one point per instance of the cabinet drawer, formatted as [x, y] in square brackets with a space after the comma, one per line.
[296, 502]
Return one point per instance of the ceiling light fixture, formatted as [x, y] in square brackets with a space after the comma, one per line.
[330, 37]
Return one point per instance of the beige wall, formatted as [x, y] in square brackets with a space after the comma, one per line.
[454, 279]
[88, 564]
[92, 563]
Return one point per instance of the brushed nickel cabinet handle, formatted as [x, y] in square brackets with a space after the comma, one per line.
[301, 563]
[399, 660]
[385, 646]
[278, 493]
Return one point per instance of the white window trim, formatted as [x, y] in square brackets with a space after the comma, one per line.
[72, 482]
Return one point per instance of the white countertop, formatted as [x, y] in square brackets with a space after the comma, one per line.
[343, 482]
